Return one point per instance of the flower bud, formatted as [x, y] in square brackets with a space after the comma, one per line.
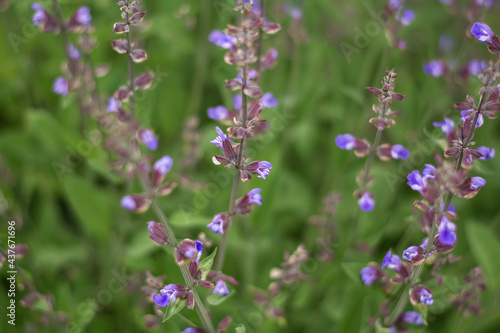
[220, 223]
[136, 203]
[421, 294]
[185, 251]
[190, 300]
[415, 255]
[148, 138]
[161, 169]
[157, 233]
[221, 288]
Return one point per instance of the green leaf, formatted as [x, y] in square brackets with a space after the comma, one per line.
[174, 308]
[90, 204]
[216, 299]
[184, 218]
[352, 269]
[485, 248]
[240, 329]
[381, 329]
[206, 264]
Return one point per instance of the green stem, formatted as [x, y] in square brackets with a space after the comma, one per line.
[130, 67]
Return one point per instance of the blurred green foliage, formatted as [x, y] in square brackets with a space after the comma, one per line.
[82, 246]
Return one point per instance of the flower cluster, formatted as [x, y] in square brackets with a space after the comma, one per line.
[484, 34]
[362, 147]
[402, 17]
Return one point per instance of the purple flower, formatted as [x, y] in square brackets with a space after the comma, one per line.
[407, 16]
[157, 233]
[446, 232]
[296, 13]
[263, 169]
[392, 261]
[482, 32]
[148, 138]
[418, 182]
[345, 141]
[163, 165]
[82, 16]
[218, 113]
[412, 317]
[254, 197]
[487, 153]
[394, 5]
[486, 3]
[477, 182]
[410, 253]
[251, 74]
[61, 86]
[268, 100]
[221, 288]
[446, 125]
[219, 139]
[435, 68]
[221, 39]
[199, 248]
[237, 101]
[217, 224]
[369, 275]
[39, 17]
[73, 52]
[113, 105]
[468, 115]
[366, 202]
[128, 202]
[399, 152]
[167, 295]
[425, 297]
[475, 66]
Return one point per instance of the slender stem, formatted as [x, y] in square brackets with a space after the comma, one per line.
[200, 308]
[398, 309]
[130, 67]
[219, 262]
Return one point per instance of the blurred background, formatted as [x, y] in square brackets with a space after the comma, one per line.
[90, 256]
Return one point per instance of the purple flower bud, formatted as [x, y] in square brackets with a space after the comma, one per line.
[415, 255]
[477, 182]
[185, 252]
[61, 86]
[148, 138]
[163, 165]
[268, 100]
[435, 68]
[221, 288]
[260, 168]
[135, 203]
[157, 233]
[476, 66]
[128, 202]
[446, 125]
[392, 261]
[488, 153]
[254, 197]
[218, 113]
[412, 317]
[399, 152]
[446, 232]
[39, 17]
[73, 52]
[219, 139]
[425, 297]
[407, 16]
[469, 115]
[199, 248]
[217, 224]
[113, 105]
[394, 5]
[369, 275]
[296, 13]
[366, 202]
[345, 141]
[82, 16]
[221, 39]
[169, 294]
[237, 101]
[482, 32]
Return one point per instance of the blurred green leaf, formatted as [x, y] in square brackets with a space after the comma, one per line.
[174, 308]
[206, 264]
[216, 299]
[353, 269]
[485, 247]
[240, 329]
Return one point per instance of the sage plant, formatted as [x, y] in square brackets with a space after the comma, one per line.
[243, 43]
[437, 185]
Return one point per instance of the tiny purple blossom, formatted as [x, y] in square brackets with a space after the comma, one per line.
[410, 253]
[268, 100]
[369, 275]
[219, 139]
[435, 68]
[199, 248]
[237, 101]
[296, 13]
[113, 105]
[221, 39]
[39, 16]
[446, 232]
[477, 182]
[345, 141]
[488, 153]
[163, 165]
[366, 202]
[263, 169]
[407, 16]
[167, 295]
[221, 288]
[218, 113]
[468, 115]
[482, 32]
[416, 181]
[446, 125]
[486, 3]
[217, 224]
[83, 16]
[148, 138]
[475, 66]
[412, 317]
[391, 261]
[425, 297]
[73, 52]
[61, 86]
[254, 197]
[399, 152]
[128, 202]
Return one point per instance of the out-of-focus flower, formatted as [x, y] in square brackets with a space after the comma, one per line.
[221, 288]
[447, 125]
[148, 138]
[61, 86]
[435, 68]
[482, 32]
[399, 152]
[345, 141]
[487, 153]
[221, 39]
[366, 202]
[218, 113]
